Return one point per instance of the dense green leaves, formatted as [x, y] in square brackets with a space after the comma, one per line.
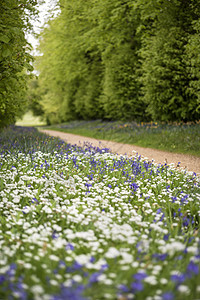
[121, 60]
[164, 64]
[15, 59]
[34, 97]
[193, 65]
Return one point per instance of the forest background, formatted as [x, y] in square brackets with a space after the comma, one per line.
[112, 60]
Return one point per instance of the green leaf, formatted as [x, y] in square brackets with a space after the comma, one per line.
[4, 39]
[6, 53]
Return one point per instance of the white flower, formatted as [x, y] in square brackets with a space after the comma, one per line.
[27, 266]
[83, 259]
[163, 281]
[37, 289]
[107, 296]
[77, 278]
[112, 253]
[127, 258]
[192, 249]
[198, 289]
[16, 199]
[34, 278]
[108, 281]
[67, 283]
[184, 289]
[125, 268]
[47, 209]
[135, 264]
[53, 282]
[54, 257]
[151, 280]
[56, 227]
[102, 277]
[172, 248]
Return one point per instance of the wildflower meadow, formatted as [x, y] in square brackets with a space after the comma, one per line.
[83, 223]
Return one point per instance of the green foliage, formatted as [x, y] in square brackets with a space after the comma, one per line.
[120, 44]
[96, 73]
[121, 60]
[15, 59]
[193, 67]
[166, 78]
[72, 82]
[34, 97]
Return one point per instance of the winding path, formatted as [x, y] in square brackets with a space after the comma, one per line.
[188, 162]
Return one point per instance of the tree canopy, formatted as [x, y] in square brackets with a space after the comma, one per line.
[15, 58]
[122, 59]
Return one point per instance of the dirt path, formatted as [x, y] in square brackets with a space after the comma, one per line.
[188, 162]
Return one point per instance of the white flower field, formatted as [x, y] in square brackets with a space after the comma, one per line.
[82, 223]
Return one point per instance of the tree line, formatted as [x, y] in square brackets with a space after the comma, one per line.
[100, 59]
[122, 59]
[15, 58]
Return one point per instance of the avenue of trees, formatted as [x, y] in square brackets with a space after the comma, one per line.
[103, 59]
[121, 59]
[15, 58]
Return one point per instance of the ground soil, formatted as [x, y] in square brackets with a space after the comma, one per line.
[187, 162]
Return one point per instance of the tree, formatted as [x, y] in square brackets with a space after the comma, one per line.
[193, 68]
[119, 44]
[33, 97]
[122, 59]
[73, 78]
[15, 58]
[166, 78]
[91, 54]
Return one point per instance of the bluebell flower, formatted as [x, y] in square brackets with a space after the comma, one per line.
[166, 237]
[76, 266]
[134, 186]
[173, 199]
[94, 277]
[192, 269]
[55, 235]
[178, 278]
[124, 288]
[104, 267]
[168, 296]
[70, 293]
[69, 247]
[186, 221]
[92, 259]
[140, 276]
[161, 257]
[137, 286]
[2, 278]
[12, 270]
[62, 263]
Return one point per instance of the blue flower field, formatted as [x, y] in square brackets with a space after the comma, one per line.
[83, 223]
